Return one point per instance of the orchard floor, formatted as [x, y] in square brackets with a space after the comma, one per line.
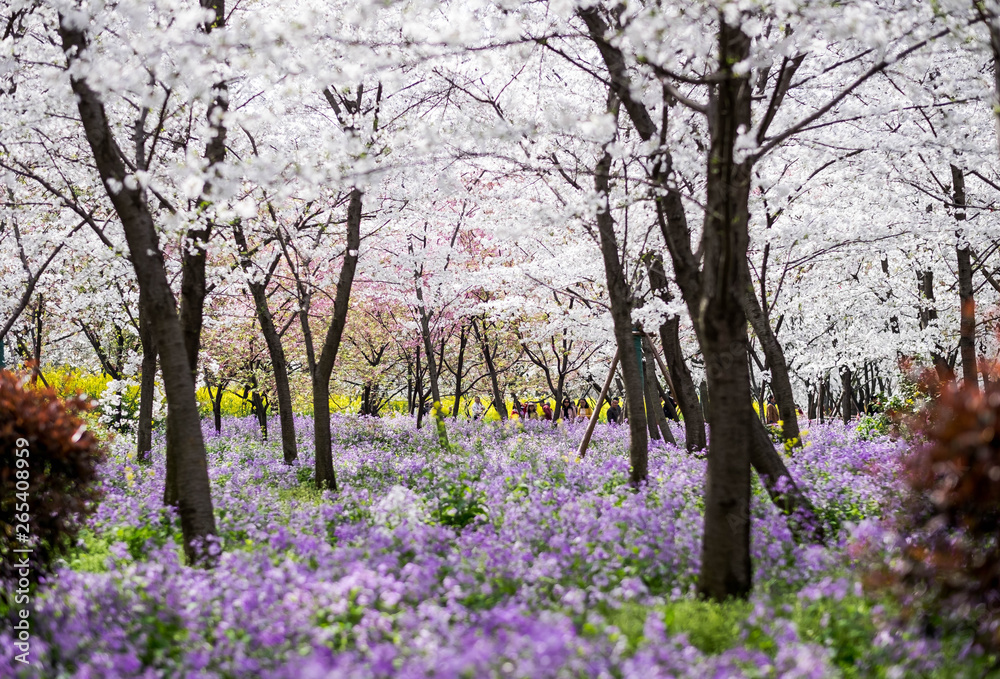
[502, 557]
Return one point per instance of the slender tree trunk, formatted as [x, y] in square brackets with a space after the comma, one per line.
[804, 522]
[846, 394]
[491, 368]
[147, 385]
[928, 313]
[425, 334]
[195, 498]
[621, 316]
[654, 411]
[704, 400]
[993, 25]
[36, 345]
[275, 350]
[410, 400]
[603, 394]
[418, 395]
[562, 363]
[967, 340]
[462, 341]
[325, 477]
[217, 408]
[685, 393]
[781, 384]
[259, 411]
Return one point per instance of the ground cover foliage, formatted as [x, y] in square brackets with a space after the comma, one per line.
[500, 556]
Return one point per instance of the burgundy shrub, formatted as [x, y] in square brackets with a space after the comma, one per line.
[48, 473]
[952, 555]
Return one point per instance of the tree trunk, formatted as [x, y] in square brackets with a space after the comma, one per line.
[654, 411]
[410, 397]
[425, 334]
[194, 256]
[781, 384]
[463, 339]
[726, 568]
[582, 450]
[325, 477]
[561, 363]
[967, 340]
[846, 394]
[703, 398]
[259, 411]
[491, 368]
[36, 345]
[993, 25]
[147, 385]
[418, 395]
[782, 489]
[928, 313]
[217, 407]
[276, 352]
[195, 499]
[621, 316]
[680, 376]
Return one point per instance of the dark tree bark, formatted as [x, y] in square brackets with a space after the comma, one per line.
[846, 394]
[463, 340]
[680, 376]
[992, 22]
[805, 524]
[928, 313]
[109, 367]
[147, 385]
[781, 384]
[654, 411]
[283, 391]
[967, 339]
[712, 282]
[726, 567]
[425, 334]
[29, 288]
[325, 476]
[217, 406]
[419, 395]
[194, 256]
[491, 368]
[37, 339]
[194, 492]
[258, 406]
[621, 316]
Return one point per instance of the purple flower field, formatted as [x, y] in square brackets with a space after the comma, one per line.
[502, 557]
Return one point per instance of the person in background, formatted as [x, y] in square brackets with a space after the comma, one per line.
[546, 410]
[771, 414]
[568, 410]
[614, 412]
[516, 407]
[583, 410]
[670, 408]
[528, 411]
[477, 409]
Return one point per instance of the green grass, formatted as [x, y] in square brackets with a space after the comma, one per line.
[846, 627]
